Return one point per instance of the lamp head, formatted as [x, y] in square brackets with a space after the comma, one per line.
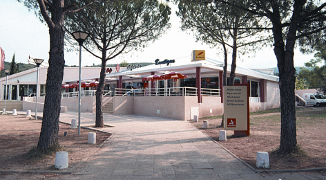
[7, 71]
[38, 62]
[80, 37]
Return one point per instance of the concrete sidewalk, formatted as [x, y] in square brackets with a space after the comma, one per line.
[156, 148]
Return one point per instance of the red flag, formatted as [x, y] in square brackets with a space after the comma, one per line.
[117, 67]
[2, 59]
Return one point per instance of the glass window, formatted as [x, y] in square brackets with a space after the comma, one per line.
[254, 89]
[14, 92]
[42, 90]
[4, 92]
[31, 90]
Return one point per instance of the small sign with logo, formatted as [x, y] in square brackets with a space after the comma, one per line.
[198, 55]
[231, 122]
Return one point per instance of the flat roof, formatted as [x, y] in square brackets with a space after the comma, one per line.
[208, 67]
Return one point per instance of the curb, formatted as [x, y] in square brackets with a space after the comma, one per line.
[36, 172]
[266, 171]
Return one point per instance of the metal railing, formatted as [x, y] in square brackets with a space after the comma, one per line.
[106, 93]
[172, 91]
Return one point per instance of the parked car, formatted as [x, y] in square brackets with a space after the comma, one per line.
[314, 99]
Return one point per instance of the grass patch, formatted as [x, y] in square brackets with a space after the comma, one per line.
[36, 154]
[296, 153]
[211, 117]
[267, 119]
[267, 111]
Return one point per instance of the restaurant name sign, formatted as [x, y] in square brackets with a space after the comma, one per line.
[167, 62]
[133, 66]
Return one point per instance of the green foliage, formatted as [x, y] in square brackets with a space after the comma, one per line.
[124, 63]
[211, 117]
[214, 24]
[297, 152]
[37, 154]
[20, 66]
[313, 75]
[223, 26]
[116, 27]
[266, 111]
[14, 67]
[301, 84]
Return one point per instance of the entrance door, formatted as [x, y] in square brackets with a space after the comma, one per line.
[14, 92]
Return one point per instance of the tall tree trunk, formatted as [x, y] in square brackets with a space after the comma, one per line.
[99, 92]
[284, 55]
[225, 68]
[234, 51]
[52, 103]
[224, 72]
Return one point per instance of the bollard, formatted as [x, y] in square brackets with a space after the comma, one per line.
[29, 113]
[91, 138]
[4, 111]
[262, 160]
[14, 112]
[73, 123]
[205, 124]
[61, 160]
[195, 118]
[222, 135]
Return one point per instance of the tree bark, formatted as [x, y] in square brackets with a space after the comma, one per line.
[52, 102]
[234, 52]
[284, 54]
[99, 97]
[99, 91]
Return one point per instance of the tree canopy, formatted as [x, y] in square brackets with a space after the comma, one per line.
[223, 27]
[117, 27]
[52, 12]
[313, 75]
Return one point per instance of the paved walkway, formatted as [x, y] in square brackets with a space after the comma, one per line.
[156, 148]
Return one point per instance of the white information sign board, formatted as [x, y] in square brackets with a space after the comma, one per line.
[236, 108]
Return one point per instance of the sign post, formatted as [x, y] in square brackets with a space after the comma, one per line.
[236, 109]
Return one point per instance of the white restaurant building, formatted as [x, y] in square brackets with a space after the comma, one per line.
[127, 92]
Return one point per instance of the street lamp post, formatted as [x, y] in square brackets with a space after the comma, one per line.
[6, 95]
[80, 38]
[38, 62]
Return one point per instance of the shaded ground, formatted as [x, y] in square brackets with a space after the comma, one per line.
[19, 134]
[265, 136]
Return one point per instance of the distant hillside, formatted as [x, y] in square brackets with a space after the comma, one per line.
[298, 69]
[22, 67]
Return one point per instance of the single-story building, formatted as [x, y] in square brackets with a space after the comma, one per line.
[171, 89]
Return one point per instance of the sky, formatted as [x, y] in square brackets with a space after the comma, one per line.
[22, 33]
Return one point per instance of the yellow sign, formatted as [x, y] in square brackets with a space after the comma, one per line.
[197, 55]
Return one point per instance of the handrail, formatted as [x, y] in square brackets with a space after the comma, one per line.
[172, 91]
[84, 93]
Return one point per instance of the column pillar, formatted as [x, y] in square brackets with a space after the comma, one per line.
[244, 80]
[262, 90]
[198, 84]
[220, 76]
[120, 82]
[152, 82]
